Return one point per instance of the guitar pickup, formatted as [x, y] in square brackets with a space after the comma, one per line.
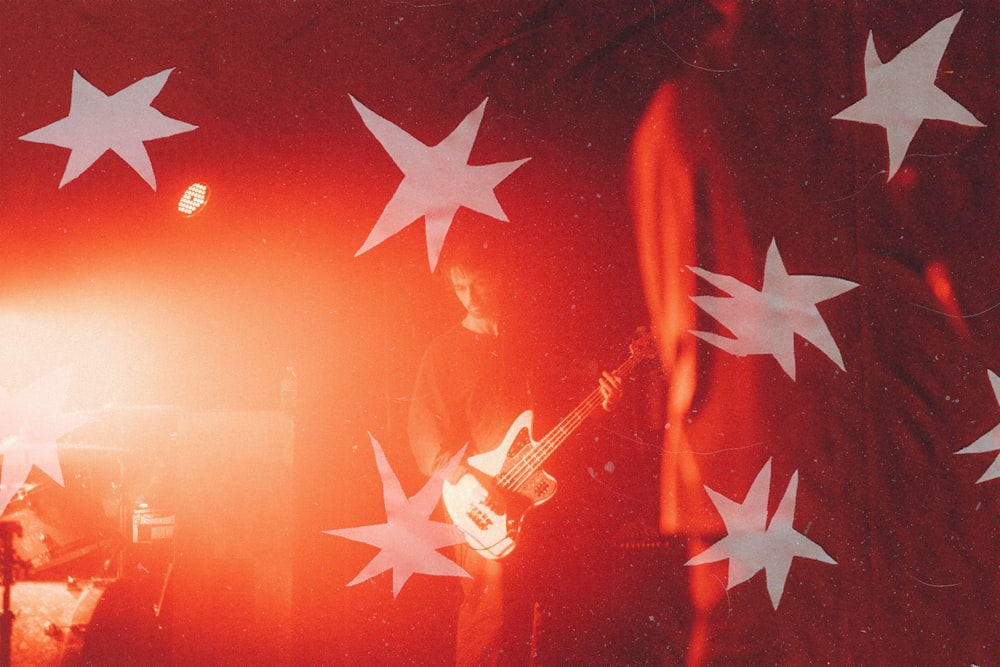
[479, 517]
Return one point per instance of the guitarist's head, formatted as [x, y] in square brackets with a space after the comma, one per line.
[475, 273]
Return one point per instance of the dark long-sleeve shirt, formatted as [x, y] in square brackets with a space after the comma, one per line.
[469, 389]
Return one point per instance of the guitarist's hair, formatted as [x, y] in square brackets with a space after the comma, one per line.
[491, 252]
[480, 252]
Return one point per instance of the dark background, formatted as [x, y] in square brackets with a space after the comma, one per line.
[201, 315]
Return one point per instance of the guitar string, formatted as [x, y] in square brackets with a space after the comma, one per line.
[528, 464]
[522, 470]
[530, 461]
[533, 459]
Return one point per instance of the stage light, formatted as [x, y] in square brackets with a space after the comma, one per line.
[193, 199]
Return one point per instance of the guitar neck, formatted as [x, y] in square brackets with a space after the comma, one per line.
[536, 456]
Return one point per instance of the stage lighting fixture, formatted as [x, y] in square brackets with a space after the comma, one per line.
[193, 199]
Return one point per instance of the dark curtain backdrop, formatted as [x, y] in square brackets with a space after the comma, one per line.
[662, 135]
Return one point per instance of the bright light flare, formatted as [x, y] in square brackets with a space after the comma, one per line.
[193, 199]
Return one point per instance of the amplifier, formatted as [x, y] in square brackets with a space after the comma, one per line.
[151, 525]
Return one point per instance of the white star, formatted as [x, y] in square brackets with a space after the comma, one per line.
[901, 93]
[437, 180]
[990, 441]
[751, 545]
[98, 123]
[30, 424]
[409, 540]
[766, 321]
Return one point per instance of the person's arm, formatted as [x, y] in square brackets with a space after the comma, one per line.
[429, 446]
[429, 425]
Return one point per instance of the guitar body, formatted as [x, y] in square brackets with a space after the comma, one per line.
[488, 501]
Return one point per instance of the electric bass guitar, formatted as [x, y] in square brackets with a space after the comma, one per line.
[489, 499]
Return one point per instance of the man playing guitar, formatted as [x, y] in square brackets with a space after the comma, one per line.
[472, 385]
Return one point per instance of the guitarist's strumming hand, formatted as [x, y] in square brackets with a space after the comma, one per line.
[611, 391]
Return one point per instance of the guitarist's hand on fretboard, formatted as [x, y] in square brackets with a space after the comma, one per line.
[611, 391]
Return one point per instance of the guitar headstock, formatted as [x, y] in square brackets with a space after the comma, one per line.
[643, 346]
